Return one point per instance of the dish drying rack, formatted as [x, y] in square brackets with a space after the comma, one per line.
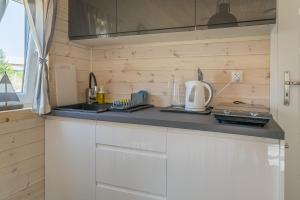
[137, 102]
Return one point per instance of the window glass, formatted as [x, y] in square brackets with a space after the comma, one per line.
[12, 44]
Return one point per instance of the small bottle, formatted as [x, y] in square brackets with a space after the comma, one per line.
[101, 96]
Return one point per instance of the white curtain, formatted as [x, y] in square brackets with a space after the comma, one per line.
[31, 64]
[41, 15]
[3, 6]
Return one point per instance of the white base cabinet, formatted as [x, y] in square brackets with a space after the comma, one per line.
[69, 159]
[203, 166]
[131, 162]
[87, 160]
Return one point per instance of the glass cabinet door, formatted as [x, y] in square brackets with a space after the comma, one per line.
[228, 13]
[144, 15]
[92, 17]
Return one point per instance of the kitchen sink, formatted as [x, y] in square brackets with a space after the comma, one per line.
[84, 107]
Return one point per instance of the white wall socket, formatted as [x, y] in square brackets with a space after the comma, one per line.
[237, 76]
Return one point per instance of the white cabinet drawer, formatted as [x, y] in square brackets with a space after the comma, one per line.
[104, 192]
[147, 138]
[131, 169]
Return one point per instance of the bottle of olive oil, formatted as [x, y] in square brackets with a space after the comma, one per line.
[101, 96]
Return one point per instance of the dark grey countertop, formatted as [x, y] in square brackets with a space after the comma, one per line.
[153, 117]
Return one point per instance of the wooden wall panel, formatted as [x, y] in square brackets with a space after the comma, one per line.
[22, 133]
[22, 159]
[126, 69]
[65, 52]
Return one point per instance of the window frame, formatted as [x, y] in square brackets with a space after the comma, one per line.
[29, 71]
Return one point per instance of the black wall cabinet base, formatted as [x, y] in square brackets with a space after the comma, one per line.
[111, 18]
[92, 17]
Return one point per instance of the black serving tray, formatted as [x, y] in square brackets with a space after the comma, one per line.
[182, 110]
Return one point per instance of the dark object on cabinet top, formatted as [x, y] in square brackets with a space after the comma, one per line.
[175, 109]
[242, 113]
[223, 17]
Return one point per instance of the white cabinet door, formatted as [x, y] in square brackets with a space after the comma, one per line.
[70, 159]
[201, 166]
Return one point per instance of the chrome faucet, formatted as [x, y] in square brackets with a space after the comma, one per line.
[91, 92]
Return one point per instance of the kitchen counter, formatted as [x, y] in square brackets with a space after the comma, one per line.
[153, 117]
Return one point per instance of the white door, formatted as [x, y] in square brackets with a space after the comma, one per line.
[70, 159]
[288, 56]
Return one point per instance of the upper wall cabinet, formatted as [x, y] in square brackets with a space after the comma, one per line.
[92, 17]
[155, 15]
[231, 13]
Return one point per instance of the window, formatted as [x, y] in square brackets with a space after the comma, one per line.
[12, 44]
[14, 47]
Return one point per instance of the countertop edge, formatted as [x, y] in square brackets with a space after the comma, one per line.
[218, 128]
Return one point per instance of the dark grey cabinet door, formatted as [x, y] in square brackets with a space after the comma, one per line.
[145, 15]
[92, 17]
[228, 13]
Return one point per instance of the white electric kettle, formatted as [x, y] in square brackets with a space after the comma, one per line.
[195, 95]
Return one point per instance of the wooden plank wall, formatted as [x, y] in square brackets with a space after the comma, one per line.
[65, 52]
[22, 156]
[128, 68]
[22, 159]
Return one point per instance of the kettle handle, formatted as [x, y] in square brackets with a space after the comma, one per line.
[210, 93]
